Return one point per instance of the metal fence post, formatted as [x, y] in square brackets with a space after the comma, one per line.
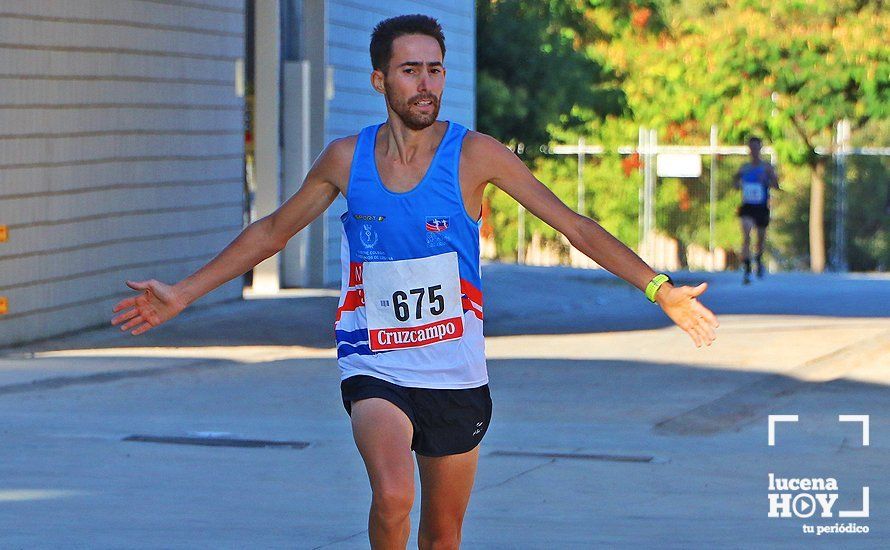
[712, 199]
[581, 175]
[641, 201]
[652, 144]
[520, 243]
[841, 149]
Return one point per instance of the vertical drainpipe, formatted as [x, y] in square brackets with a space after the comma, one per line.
[315, 45]
[267, 61]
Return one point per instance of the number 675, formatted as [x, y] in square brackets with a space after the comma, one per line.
[400, 302]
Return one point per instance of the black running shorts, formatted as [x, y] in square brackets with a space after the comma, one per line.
[759, 213]
[446, 422]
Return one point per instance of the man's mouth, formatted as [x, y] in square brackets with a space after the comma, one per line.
[424, 102]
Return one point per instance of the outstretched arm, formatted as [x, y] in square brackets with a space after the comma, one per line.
[737, 179]
[507, 171]
[773, 177]
[159, 302]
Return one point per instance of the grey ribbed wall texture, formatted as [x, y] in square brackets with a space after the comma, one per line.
[121, 151]
[356, 105]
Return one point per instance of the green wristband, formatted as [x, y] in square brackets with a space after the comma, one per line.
[655, 284]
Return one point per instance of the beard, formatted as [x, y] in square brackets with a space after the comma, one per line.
[408, 111]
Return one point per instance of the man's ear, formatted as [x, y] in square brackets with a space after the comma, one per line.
[377, 80]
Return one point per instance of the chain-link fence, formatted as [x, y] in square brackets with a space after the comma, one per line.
[691, 222]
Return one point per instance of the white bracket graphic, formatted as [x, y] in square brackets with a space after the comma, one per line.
[857, 513]
[773, 418]
[857, 418]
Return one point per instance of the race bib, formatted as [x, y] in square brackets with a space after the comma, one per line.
[413, 303]
[752, 192]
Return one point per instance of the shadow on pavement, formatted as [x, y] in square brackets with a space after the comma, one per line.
[518, 300]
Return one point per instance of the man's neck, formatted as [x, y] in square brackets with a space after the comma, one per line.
[403, 142]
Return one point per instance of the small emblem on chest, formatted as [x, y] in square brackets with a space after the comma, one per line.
[437, 224]
[368, 236]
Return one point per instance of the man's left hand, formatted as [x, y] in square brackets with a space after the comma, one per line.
[682, 306]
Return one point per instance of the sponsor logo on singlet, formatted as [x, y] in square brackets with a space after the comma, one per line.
[368, 218]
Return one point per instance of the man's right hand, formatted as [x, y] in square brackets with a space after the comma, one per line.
[156, 303]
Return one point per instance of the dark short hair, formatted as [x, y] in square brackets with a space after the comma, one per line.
[755, 138]
[388, 30]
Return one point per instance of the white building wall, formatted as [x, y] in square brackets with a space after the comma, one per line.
[121, 151]
[355, 104]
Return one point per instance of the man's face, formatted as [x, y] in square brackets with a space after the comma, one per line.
[754, 145]
[414, 82]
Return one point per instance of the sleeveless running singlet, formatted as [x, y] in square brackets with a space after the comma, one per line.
[410, 308]
[755, 184]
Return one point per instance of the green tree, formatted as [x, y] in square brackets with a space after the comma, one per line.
[535, 69]
[539, 80]
[786, 69]
[554, 70]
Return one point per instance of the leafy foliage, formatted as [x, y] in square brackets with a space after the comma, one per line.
[788, 70]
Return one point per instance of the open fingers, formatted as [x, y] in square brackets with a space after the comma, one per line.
[700, 310]
[125, 303]
[144, 327]
[129, 314]
[705, 331]
[707, 314]
[701, 330]
[708, 330]
[132, 323]
[702, 337]
[693, 333]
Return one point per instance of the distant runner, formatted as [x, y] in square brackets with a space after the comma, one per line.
[755, 180]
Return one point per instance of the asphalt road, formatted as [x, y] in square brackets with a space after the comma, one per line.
[610, 428]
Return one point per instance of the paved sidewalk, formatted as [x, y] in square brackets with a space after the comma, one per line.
[610, 428]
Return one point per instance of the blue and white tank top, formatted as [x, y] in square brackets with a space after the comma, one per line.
[410, 308]
[755, 184]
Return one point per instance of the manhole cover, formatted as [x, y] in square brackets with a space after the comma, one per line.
[216, 441]
[578, 456]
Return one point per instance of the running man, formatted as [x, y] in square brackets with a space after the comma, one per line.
[409, 322]
[755, 180]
